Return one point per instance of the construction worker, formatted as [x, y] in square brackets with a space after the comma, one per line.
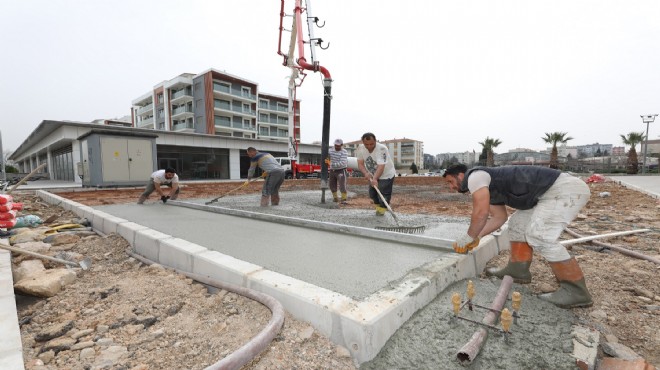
[376, 165]
[546, 201]
[159, 178]
[274, 178]
[337, 162]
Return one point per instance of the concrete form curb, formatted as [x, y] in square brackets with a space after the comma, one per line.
[363, 327]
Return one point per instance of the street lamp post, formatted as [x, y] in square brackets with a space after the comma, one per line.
[649, 118]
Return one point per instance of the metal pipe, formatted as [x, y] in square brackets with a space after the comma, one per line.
[301, 51]
[601, 236]
[471, 349]
[621, 250]
[257, 344]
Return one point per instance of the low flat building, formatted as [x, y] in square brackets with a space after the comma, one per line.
[194, 156]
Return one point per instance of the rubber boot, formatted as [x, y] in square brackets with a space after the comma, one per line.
[334, 197]
[518, 266]
[275, 199]
[344, 197]
[264, 200]
[380, 211]
[572, 290]
[142, 199]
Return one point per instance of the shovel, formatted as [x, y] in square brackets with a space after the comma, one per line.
[232, 190]
[398, 228]
[84, 264]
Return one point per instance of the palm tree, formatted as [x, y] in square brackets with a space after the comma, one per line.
[488, 146]
[632, 139]
[554, 138]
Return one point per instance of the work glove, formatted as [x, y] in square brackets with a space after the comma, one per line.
[264, 175]
[246, 182]
[164, 198]
[327, 162]
[465, 243]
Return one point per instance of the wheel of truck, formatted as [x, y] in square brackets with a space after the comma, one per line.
[302, 176]
[288, 175]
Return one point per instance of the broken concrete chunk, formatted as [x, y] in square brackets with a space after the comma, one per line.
[46, 284]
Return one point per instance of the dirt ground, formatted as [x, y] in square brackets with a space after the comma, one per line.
[139, 317]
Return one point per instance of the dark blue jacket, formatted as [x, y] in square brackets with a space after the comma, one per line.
[518, 187]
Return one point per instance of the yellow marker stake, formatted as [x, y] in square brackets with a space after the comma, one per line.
[456, 302]
[516, 301]
[506, 319]
[470, 289]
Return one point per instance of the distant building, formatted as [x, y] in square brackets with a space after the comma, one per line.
[468, 158]
[563, 151]
[618, 150]
[593, 150]
[654, 148]
[215, 103]
[522, 156]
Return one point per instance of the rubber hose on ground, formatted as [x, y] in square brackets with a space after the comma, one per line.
[257, 344]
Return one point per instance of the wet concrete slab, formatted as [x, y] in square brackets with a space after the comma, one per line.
[327, 265]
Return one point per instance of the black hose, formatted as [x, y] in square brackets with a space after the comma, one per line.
[257, 344]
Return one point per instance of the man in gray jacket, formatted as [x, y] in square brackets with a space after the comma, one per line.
[546, 201]
[274, 179]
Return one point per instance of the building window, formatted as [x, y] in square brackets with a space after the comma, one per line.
[160, 98]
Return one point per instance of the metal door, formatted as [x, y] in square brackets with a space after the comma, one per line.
[140, 160]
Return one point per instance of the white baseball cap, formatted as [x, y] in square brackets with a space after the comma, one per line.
[339, 142]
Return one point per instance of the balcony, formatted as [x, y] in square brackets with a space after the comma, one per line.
[184, 126]
[181, 96]
[146, 109]
[275, 108]
[182, 112]
[274, 122]
[226, 90]
[146, 122]
[223, 107]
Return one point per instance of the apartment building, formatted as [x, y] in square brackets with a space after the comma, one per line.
[215, 103]
[468, 158]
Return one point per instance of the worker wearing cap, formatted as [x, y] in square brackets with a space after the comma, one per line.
[270, 192]
[338, 163]
[546, 201]
[159, 178]
[376, 165]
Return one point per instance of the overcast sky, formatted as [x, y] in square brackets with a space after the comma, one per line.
[448, 73]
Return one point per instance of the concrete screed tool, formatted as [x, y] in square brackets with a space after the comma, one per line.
[398, 228]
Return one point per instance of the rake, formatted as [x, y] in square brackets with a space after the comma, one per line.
[398, 228]
[231, 191]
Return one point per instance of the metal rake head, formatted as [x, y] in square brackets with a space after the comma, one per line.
[403, 229]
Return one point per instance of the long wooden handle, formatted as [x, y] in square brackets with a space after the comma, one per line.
[386, 204]
[34, 254]
[24, 179]
[231, 191]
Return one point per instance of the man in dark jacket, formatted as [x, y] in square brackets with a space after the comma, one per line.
[546, 201]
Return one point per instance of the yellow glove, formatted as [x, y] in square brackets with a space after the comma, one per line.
[264, 175]
[327, 161]
[246, 182]
[465, 243]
